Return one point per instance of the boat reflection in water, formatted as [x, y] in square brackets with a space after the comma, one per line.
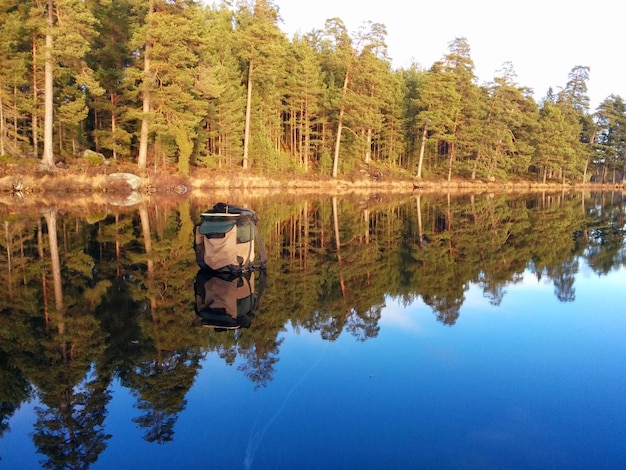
[226, 300]
[224, 243]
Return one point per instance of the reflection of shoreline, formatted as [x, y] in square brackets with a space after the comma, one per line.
[101, 202]
[94, 203]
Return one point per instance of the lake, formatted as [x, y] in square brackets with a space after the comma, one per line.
[404, 331]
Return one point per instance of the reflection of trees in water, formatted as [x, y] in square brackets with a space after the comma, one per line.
[72, 390]
[563, 277]
[70, 429]
[365, 325]
[124, 303]
[446, 309]
[259, 360]
[602, 238]
[160, 387]
[14, 389]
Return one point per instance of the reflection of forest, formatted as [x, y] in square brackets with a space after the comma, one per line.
[90, 298]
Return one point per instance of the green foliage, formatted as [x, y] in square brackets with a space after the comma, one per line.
[8, 160]
[185, 148]
[325, 162]
[93, 159]
[610, 149]
[181, 71]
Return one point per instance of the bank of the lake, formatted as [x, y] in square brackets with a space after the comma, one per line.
[85, 183]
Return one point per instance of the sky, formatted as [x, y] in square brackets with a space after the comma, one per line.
[543, 40]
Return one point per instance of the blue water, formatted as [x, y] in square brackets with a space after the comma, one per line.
[531, 383]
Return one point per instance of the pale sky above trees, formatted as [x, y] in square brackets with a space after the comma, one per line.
[543, 39]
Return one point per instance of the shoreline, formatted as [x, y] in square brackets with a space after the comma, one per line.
[78, 188]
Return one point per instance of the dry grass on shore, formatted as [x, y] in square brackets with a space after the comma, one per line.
[93, 182]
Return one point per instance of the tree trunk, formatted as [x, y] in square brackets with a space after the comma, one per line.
[452, 149]
[34, 116]
[7, 242]
[147, 239]
[342, 110]
[144, 133]
[338, 246]
[368, 149]
[2, 131]
[246, 134]
[113, 126]
[51, 222]
[450, 160]
[48, 154]
[420, 162]
[420, 230]
[307, 136]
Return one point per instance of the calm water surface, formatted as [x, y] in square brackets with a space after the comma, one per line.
[430, 332]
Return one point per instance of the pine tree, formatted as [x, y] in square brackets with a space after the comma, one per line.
[574, 95]
[441, 104]
[224, 125]
[175, 82]
[262, 47]
[109, 58]
[611, 145]
[303, 96]
[558, 148]
[413, 130]
[466, 132]
[509, 122]
[68, 30]
[367, 100]
[13, 79]
[343, 56]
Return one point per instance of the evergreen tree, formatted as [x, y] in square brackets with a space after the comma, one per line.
[304, 94]
[558, 147]
[467, 123]
[109, 58]
[340, 54]
[224, 126]
[611, 145]
[575, 91]
[413, 131]
[175, 82]
[142, 41]
[14, 63]
[355, 68]
[442, 105]
[509, 123]
[367, 100]
[69, 29]
[574, 95]
[392, 140]
[262, 48]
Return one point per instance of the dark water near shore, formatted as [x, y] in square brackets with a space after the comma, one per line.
[391, 332]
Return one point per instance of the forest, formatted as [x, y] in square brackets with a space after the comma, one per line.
[179, 83]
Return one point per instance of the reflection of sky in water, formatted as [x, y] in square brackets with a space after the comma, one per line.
[532, 383]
